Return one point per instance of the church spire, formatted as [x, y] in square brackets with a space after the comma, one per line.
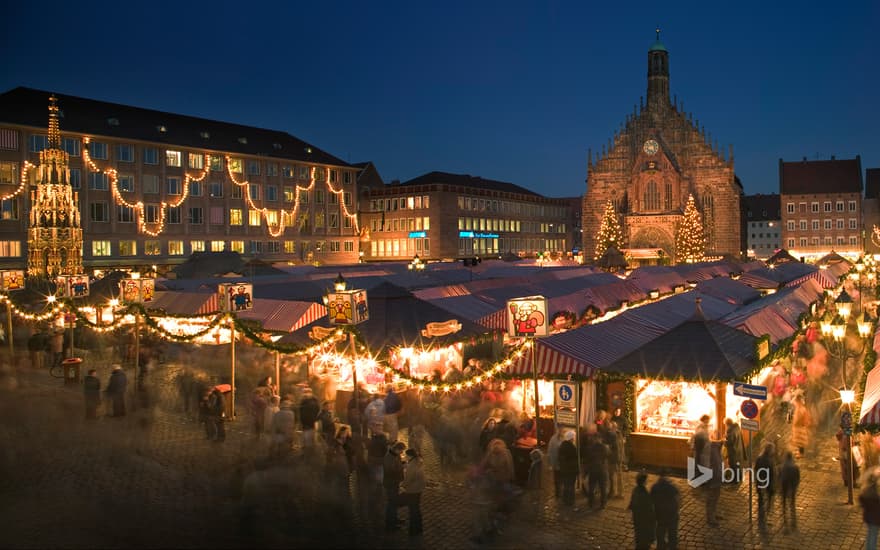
[658, 75]
[54, 132]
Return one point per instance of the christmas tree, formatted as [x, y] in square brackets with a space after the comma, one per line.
[690, 240]
[610, 233]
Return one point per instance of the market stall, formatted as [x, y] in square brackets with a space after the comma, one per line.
[678, 377]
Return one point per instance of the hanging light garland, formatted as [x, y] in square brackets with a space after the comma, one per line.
[22, 185]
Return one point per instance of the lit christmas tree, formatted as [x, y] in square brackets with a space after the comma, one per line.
[690, 239]
[610, 233]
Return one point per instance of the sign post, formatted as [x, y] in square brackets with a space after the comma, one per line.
[749, 410]
[566, 397]
[527, 318]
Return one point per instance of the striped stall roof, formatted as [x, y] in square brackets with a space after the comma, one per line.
[185, 303]
[870, 413]
[283, 315]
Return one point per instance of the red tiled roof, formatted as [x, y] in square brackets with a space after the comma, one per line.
[820, 176]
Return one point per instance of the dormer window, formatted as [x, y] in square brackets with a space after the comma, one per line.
[205, 135]
[161, 129]
[242, 140]
[276, 146]
[113, 121]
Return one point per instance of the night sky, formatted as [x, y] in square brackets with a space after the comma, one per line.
[512, 91]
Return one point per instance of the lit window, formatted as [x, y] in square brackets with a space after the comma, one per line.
[236, 246]
[272, 217]
[197, 246]
[100, 248]
[196, 161]
[254, 217]
[319, 220]
[152, 248]
[128, 248]
[98, 150]
[288, 194]
[125, 153]
[175, 248]
[173, 158]
[9, 173]
[235, 216]
[218, 246]
[235, 165]
[290, 247]
[216, 163]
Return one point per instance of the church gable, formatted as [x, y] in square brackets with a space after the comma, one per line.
[656, 181]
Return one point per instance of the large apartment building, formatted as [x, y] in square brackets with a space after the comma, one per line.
[821, 203]
[447, 216]
[763, 225]
[154, 187]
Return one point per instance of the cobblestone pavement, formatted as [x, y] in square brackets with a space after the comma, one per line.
[152, 480]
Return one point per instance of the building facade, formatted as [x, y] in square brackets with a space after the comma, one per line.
[763, 225]
[659, 158]
[154, 187]
[444, 216]
[821, 204]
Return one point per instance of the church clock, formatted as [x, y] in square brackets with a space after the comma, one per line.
[651, 147]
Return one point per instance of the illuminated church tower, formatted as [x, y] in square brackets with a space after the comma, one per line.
[55, 237]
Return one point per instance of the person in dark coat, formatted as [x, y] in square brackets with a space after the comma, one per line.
[765, 469]
[596, 455]
[216, 415]
[568, 466]
[869, 498]
[92, 392]
[667, 502]
[116, 390]
[392, 476]
[642, 508]
[734, 445]
[713, 485]
[790, 478]
[308, 415]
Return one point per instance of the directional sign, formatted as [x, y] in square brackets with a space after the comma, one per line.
[748, 424]
[749, 409]
[750, 391]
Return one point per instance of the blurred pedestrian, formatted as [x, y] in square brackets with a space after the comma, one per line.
[801, 425]
[869, 498]
[568, 466]
[713, 485]
[56, 346]
[487, 433]
[116, 390]
[700, 442]
[734, 445]
[392, 476]
[205, 414]
[765, 472]
[374, 414]
[553, 458]
[849, 468]
[596, 455]
[327, 422]
[416, 438]
[642, 508]
[308, 415]
[615, 463]
[283, 428]
[790, 478]
[217, 414]
[393, 406]
[412, 487]
[667, 503]
[36, 345]
[258, 403]
[92, 392]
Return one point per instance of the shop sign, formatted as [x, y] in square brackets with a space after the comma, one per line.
[347, 307]
[73, 286]
[236, 296]
[137, 290]
[476, 235]
[565, 402]
[12, 280]
[750, 391]
[319, 333]
[441, 329]
[749, 409]
[749, 425]
[527, 317]
[418, 234]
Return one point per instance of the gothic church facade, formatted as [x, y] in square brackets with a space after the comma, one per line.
[659, 157]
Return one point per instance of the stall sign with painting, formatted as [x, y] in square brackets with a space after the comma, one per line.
[236, 296]
[137, 290]
[73, 286]
[432, 330]
[527, 317]
[12, 280]
[348, 307]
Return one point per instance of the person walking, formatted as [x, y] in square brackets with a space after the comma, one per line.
[36, 345]
[216, 414]
[92, 393]
[553, 458]
[393, 406]
[734, 445]
[713, 486]
[56, 346]
[869, 498]
[701, 441]
[308, 415]
[801, 425]
[765, 467]
[283, 428]
[615, 463]
[596, 456]
[116, 390]
[568, 466]
[642, 508]
[412, 487]
[848, 472]
[790, 478]
[667, 503]
[392, 476]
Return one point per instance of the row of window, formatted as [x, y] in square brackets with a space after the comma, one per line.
[769, 236]
[467, 247]
[99, 150]
[401, 224]
[100, 212]
[416, 202]
[476, 204]
[102, 248]
[852, 240]
[814, 207]
[817, 225]
[384, 248]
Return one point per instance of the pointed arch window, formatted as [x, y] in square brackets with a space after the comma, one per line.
[652, 197]
[667, 197]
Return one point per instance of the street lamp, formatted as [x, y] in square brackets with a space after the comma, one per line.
[847, 397]
[416, 264]
[844, 303]
[339, 283]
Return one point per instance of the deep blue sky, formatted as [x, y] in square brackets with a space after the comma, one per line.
[508, 90]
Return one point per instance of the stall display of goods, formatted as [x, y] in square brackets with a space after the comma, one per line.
[672, 408]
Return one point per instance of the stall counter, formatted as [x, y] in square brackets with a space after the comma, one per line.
[659, 450]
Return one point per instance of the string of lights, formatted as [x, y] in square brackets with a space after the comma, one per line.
[22, 185]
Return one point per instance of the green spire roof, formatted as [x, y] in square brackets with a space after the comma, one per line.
[657, 46]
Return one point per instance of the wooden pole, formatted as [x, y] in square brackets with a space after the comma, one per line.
[137, 355]
[9, 331]
[232, 385]
[537, 397]
[354, 377]
[278, 372]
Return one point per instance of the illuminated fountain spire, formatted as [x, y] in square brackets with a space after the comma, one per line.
[55, 237]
